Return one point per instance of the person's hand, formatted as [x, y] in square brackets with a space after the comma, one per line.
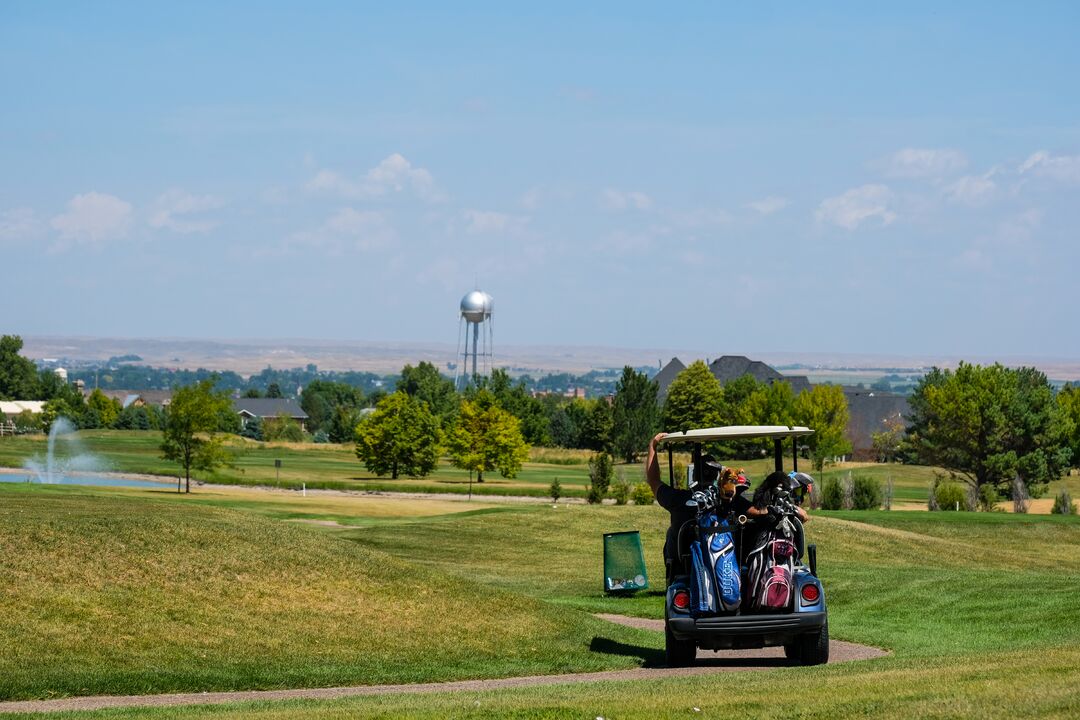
[656, 438]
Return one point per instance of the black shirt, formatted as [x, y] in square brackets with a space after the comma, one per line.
[674, 501]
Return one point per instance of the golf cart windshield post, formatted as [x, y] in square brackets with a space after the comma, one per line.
[778, 454]
[670, 466]
[699, 465]
[794, 454]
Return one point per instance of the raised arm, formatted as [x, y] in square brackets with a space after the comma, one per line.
[652, 465]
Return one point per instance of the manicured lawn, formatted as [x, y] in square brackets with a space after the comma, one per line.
[143, 591]
[125, 592]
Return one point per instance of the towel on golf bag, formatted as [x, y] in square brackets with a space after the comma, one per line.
[769, 573]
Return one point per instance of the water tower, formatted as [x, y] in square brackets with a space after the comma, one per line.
[477, 319]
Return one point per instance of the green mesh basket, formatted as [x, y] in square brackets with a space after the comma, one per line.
[624, 563]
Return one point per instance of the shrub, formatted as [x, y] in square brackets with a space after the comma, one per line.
[641, 494]
[866, 493]
[832, 494]
[601, 472]
[555, 491]
[948, 494]
[321, 437]
[988, 498]
[1063, 504]
[1019, 495]
[621, 492]
[593, 496]
[679, 469]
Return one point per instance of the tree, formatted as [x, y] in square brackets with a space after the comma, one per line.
[597, 425]
[107, 409]
[695, 400]
[190, 433]
[990, 425]
[515, 399]
[273, 390]
[402, 436]
[1069, 401]
[487, 438]
[322, 399]
[425, 383]
[634, 413]
[282, 429]
[737, 394]
[18, 376]
[252, 393]
[824, 410]
[888, 441]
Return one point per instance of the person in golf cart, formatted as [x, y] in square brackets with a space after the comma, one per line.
[675, 500]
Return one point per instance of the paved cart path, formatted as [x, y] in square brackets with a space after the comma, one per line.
[723, 661]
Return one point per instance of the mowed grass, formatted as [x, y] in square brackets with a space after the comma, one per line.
[978, 611]
[123, 592]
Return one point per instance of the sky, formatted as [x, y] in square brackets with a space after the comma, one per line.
[812, 177]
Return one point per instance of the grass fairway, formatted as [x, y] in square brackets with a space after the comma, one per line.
[113, 593]
[978, 609]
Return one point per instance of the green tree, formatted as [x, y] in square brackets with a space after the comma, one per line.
[824, 410]
[516, 399]
[634, 413]
[695, 400]
[107, 409]
[1069, 401]
[252, 393]
[737, 394]
[273, 390]
[487, 437]
[18, 376]
[424, 382]
[190, 433]
[990, 425]
[887, 442]
[402, 436]
[322, 399]
[601, 472]
[282, 429]
[597, 426]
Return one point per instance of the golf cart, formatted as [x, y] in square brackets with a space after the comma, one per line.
[704, 608]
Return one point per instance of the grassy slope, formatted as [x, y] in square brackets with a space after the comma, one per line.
[133, 593]
[980, 617]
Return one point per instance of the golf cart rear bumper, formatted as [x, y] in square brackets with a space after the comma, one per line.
[774, 627]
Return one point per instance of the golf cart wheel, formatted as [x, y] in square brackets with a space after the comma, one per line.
[813, 648]
[678, 653]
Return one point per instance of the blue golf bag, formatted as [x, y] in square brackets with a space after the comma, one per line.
[716, 586]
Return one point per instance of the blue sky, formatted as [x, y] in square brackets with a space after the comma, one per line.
[835, 178]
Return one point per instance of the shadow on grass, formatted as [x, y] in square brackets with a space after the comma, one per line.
[734, 659]
[650, 657]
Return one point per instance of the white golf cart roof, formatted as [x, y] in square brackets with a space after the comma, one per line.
[735, 432]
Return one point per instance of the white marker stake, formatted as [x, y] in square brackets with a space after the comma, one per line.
[303, 488]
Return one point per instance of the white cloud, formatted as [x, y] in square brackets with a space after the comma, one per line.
[857, 206]
[971, 189]
[394, 174]
[485, 221]
[346, 229]
[925, 163]
[93, 217]
[174, 208]
[1063, 168]
[18, 224]
[769, 205]
[613, 199]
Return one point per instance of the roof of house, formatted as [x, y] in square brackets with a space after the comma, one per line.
[14, 407]
[870, 411]
[666, 375]
[269, 407]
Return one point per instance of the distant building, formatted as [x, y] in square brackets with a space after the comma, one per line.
[138, 398]
[727, 368]
[12, 408]
[869, 412]
[268, 409]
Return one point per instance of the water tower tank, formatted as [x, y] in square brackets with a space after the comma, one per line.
[477, 306]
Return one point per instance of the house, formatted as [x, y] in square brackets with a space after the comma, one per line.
[727, 368]
[12, 408]
[138, 398]
[268, 409]
[869, 412]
